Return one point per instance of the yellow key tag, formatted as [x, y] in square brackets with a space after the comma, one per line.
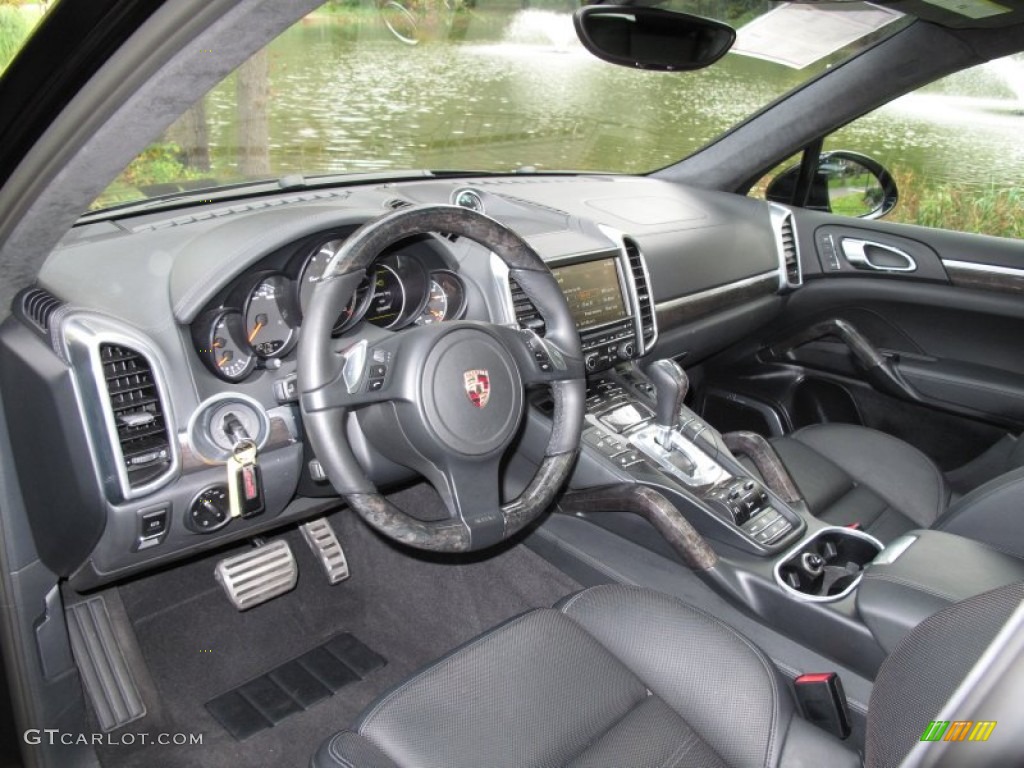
[243, 460]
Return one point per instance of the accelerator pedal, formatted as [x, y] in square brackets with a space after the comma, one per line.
[322, 539]
[254, 577]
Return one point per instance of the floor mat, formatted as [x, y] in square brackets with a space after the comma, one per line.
[294, 686]
[409, 607]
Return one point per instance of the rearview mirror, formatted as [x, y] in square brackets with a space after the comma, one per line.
[652, 38]
[846, 183]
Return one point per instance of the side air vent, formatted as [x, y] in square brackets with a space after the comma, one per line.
[138, 413]
[526, 313]
[38, 306]
[643, 293]
[787, 237]
[790, 274]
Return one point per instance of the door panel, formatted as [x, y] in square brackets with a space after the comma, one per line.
[955, 344]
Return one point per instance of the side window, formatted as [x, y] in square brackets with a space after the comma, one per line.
[952, 148]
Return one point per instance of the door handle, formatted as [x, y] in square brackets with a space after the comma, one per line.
[864, 254]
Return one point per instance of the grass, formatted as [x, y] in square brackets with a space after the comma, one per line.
[15, 26]
[159, 164]
[963, 208]
[958, 207]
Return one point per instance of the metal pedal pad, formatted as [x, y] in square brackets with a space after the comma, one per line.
[325, 545]
[254, 577]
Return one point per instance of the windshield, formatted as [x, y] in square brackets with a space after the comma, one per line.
[476, 85]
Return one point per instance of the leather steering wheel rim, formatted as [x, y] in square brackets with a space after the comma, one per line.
[327, 394]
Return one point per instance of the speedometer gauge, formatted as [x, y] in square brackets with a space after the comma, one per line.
[221, 345]
[270, 317]
[313, 273]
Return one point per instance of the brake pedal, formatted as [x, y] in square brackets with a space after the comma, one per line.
[254, 577]
[325, 545]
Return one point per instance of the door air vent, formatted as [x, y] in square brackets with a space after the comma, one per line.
[638, 270]
[526, 313]
[138, 413]
[38, 306]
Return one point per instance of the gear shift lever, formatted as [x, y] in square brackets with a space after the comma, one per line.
[670, 386]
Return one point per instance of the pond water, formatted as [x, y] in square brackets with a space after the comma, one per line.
[346, 96]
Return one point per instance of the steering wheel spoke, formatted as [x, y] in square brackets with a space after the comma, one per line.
[540, 361]
[365, 373]
[471, 491]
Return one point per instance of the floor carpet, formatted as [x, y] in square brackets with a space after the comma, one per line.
[407, 607]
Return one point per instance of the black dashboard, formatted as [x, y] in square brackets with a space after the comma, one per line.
[153, 340]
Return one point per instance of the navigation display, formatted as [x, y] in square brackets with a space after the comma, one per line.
[592, 291]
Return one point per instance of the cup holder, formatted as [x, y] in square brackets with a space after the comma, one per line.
[827, 565]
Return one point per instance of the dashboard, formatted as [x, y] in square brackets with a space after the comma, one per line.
[151, 344]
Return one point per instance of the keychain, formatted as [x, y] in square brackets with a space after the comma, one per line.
[245, 489]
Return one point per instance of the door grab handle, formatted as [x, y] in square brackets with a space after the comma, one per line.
[881, 371]
[859, 257]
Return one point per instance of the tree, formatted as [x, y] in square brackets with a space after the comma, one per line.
[252, 91]
[191, 133]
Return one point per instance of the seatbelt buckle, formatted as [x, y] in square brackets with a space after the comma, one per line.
[823, 702]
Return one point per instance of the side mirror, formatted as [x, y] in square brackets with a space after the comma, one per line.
[845, 183]
[652, 38]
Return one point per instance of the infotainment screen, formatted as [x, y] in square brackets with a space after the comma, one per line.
[593, 292]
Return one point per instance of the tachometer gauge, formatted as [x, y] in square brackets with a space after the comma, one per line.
[270, 321]
[446, 300]
[221, 345]
[388, 300]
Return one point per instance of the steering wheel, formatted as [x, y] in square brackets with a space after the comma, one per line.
[445, 399]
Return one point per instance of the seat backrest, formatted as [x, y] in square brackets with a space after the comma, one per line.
[925, 669]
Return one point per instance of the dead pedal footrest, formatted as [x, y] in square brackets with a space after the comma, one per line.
[105, 673]
[254, 577]
[325, 545]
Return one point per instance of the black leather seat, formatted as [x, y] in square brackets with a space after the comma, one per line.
[621, 676]
[851, 474]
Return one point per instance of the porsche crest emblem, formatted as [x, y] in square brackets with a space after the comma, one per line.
[478, 387]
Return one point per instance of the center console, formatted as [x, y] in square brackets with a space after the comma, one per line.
[685, 459]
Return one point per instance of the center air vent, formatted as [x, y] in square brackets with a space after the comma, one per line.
[526, 312]
[138, 413]
[643, 294]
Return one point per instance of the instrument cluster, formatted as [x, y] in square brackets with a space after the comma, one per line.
[259, 318]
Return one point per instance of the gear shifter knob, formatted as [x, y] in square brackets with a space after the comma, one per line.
[670, 386]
